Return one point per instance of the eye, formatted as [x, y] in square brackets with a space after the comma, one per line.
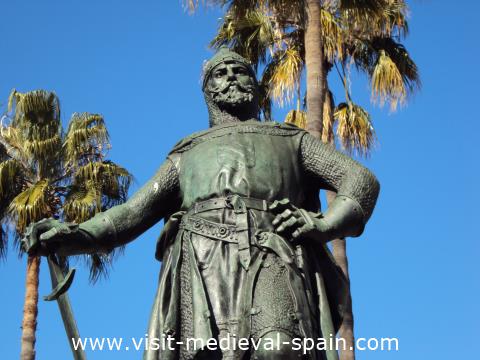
[219, 73]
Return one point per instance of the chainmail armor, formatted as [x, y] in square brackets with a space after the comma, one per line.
[273, 303]
[337, 171]
[156, 199]
[186, 298]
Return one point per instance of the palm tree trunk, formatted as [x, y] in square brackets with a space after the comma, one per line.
[346, 330]
[339, 246]
[30, 309]
[314, 61]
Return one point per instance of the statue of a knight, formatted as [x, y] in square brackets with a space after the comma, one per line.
[243, 249]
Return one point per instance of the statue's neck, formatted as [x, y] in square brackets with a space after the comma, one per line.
[224, 117]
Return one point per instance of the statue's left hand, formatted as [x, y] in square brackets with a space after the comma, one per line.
[297, 223]
[43, 237]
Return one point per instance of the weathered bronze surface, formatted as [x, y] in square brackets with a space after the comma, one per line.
[243, 249]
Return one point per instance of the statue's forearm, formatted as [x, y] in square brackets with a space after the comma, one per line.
[95, 235]
[123, 223]
[343, 218]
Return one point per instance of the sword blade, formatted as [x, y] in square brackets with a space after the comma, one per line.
[66, 311]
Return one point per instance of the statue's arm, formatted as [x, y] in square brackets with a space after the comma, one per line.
[114, 227]
[356, 187]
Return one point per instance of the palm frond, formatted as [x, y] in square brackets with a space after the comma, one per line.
[36, 121]
[115, 183]
[251, 35]
[100, 172]
[12, 143]
[86, 138]
[404, 63]
[42, 149]
[82, 202]
[353, 10]
[98, 186]
[357, 13]
[394, 18]
[287, 13]
[110, 180]
[32, 204]
[13, 98]
[297, 117]
[387, 82]
[328, 118]
[37, 113]
[332, 36]
[286, 69]
[11, 178]
[394, 75]
[100, 263]
[354, 128]
[364, 19]
[3, 151]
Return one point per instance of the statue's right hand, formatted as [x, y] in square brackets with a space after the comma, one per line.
[44, 236]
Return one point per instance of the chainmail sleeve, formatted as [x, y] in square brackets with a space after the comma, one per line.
[123, 223]
[338, 172]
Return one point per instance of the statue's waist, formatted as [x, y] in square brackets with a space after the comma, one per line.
[239, 204]
[239, 220]
[214, 230]
[233, 213]
[233, 219]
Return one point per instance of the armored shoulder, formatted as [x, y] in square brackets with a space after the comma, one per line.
[250, 126]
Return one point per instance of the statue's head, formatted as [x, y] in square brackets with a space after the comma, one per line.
[230, 88]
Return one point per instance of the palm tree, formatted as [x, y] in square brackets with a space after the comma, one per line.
[44, 173]
[290, 36]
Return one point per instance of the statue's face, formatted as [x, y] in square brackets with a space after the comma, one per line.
[231, 86]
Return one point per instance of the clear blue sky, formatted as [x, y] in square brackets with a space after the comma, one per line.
[414, 271]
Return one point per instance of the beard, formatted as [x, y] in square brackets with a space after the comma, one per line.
[231, 102]
[233, 96]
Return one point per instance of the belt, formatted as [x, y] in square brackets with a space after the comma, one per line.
[228, 233]
[211, 229]
[237, 233]
[229, 202]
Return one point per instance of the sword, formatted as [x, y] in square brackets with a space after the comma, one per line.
[60, 284]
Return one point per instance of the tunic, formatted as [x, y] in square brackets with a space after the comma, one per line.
[225, 271]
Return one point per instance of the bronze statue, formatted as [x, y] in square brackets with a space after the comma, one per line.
[243, 252]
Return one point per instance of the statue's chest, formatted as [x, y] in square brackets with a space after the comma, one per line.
[254, 165]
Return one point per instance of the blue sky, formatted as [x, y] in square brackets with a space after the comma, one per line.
[414, 271]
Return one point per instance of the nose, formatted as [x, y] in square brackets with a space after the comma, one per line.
[230, 74]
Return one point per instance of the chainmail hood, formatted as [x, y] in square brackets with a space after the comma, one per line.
[224, 54]
[217, 115]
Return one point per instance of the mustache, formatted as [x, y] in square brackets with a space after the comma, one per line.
[228, 86]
